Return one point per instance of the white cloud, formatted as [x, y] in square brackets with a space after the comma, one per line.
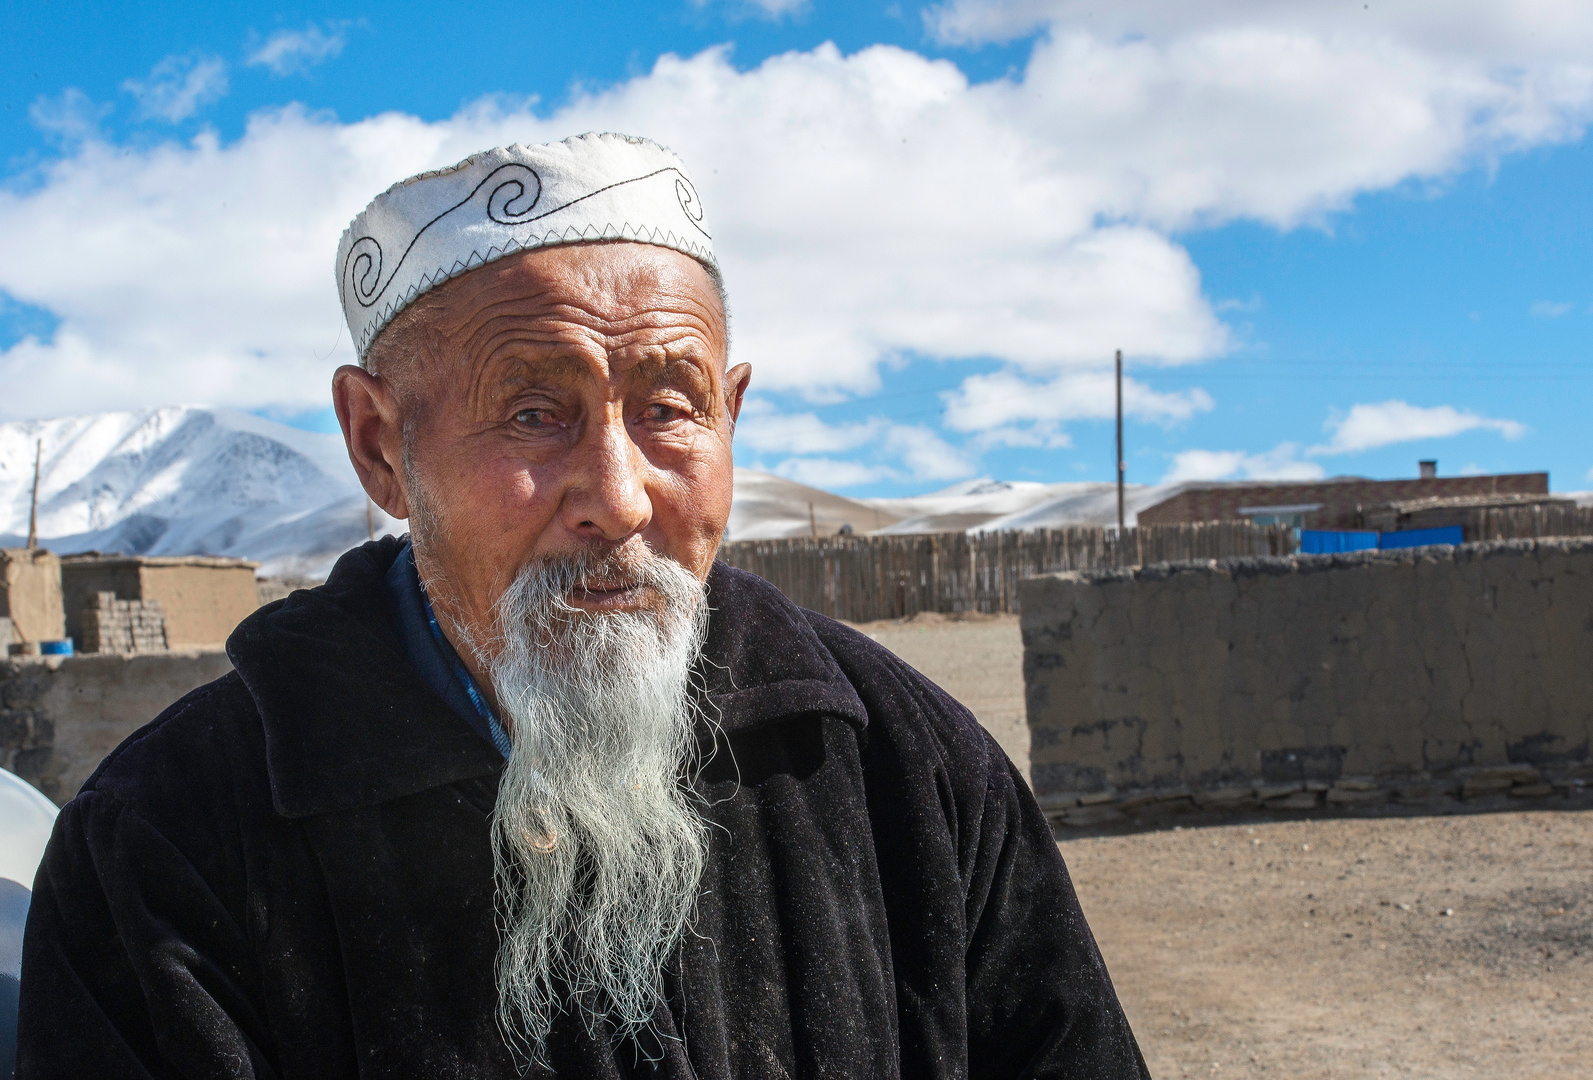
[1282, 462]
[926, 455]
[1496, 31]
[1363, 427]
[1244, 307]
[763, 429]
[1004, 398]
[771, 9]
[864, 206]
[72, 117]
[178, 87]
[1549, 309]
[776, 8]
[830, 474]
[1041, 435]
[1368, 426]
[1284, 110]
[917, 452]
[289, 52]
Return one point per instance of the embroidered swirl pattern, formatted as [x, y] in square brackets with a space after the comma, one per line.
[689, 203]
[513, 192]
[516, 183]
[500, 204]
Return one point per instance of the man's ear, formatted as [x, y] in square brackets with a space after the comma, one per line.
[737, 379]
[373, 428]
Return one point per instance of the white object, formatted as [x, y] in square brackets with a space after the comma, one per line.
[435, 226]
[26, 818]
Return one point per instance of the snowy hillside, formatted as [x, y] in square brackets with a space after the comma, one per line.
[1083, 504]
[769, 507]
[184, 480]
[1017, 504]
[187, 480]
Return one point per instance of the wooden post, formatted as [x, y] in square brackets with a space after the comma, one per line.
[973, 575]
[33, 508]
[1121, 466]
[1001, 574]
[813, 522]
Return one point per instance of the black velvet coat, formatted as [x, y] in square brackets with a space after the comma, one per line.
[289, 874]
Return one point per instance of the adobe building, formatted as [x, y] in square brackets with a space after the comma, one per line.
[1467, 511]
[1342, 502]
[30, 595]
[201, 597]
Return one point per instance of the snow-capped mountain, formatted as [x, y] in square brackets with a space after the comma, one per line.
[184, 480]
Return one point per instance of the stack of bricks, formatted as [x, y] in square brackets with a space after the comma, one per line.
[123, 626]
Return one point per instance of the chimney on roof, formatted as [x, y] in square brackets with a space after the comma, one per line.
[1429, 469]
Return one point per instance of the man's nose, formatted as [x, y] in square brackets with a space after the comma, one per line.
[607, 495]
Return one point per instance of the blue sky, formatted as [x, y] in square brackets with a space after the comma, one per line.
[1327, 245]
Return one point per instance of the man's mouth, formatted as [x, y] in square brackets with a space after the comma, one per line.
[611, 594]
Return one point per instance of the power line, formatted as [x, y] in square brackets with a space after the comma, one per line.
[1365, 372]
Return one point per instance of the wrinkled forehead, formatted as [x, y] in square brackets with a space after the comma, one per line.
[606, 311]
[617, 295]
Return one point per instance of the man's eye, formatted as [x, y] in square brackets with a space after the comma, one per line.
[659, 412]
[533, 417]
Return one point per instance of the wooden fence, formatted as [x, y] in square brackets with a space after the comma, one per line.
[890, 577]
[1526, 522]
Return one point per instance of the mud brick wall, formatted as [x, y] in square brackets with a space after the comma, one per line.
[1434, 673]
[123, 626]
[1342, 501]
[30, 593]
[202, 598]
[60, 716]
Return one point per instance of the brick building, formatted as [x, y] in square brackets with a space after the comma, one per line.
[1339, 503]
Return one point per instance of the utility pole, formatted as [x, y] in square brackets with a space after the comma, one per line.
[33, 509]
[1121, 465]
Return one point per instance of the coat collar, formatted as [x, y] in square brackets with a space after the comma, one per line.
[762, 660]
[348, 723]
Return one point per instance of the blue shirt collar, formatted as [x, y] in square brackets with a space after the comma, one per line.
[432, 656]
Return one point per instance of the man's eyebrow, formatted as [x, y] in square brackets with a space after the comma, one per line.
[663, 367]
[519, 371]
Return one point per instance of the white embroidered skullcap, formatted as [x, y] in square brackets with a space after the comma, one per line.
[420, 233]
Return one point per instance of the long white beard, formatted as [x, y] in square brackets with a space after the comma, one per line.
[597, 847]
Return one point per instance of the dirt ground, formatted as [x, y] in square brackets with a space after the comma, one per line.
[1420, 947]
[1351, 947]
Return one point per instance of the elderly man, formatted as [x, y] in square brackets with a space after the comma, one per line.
[543, 788]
